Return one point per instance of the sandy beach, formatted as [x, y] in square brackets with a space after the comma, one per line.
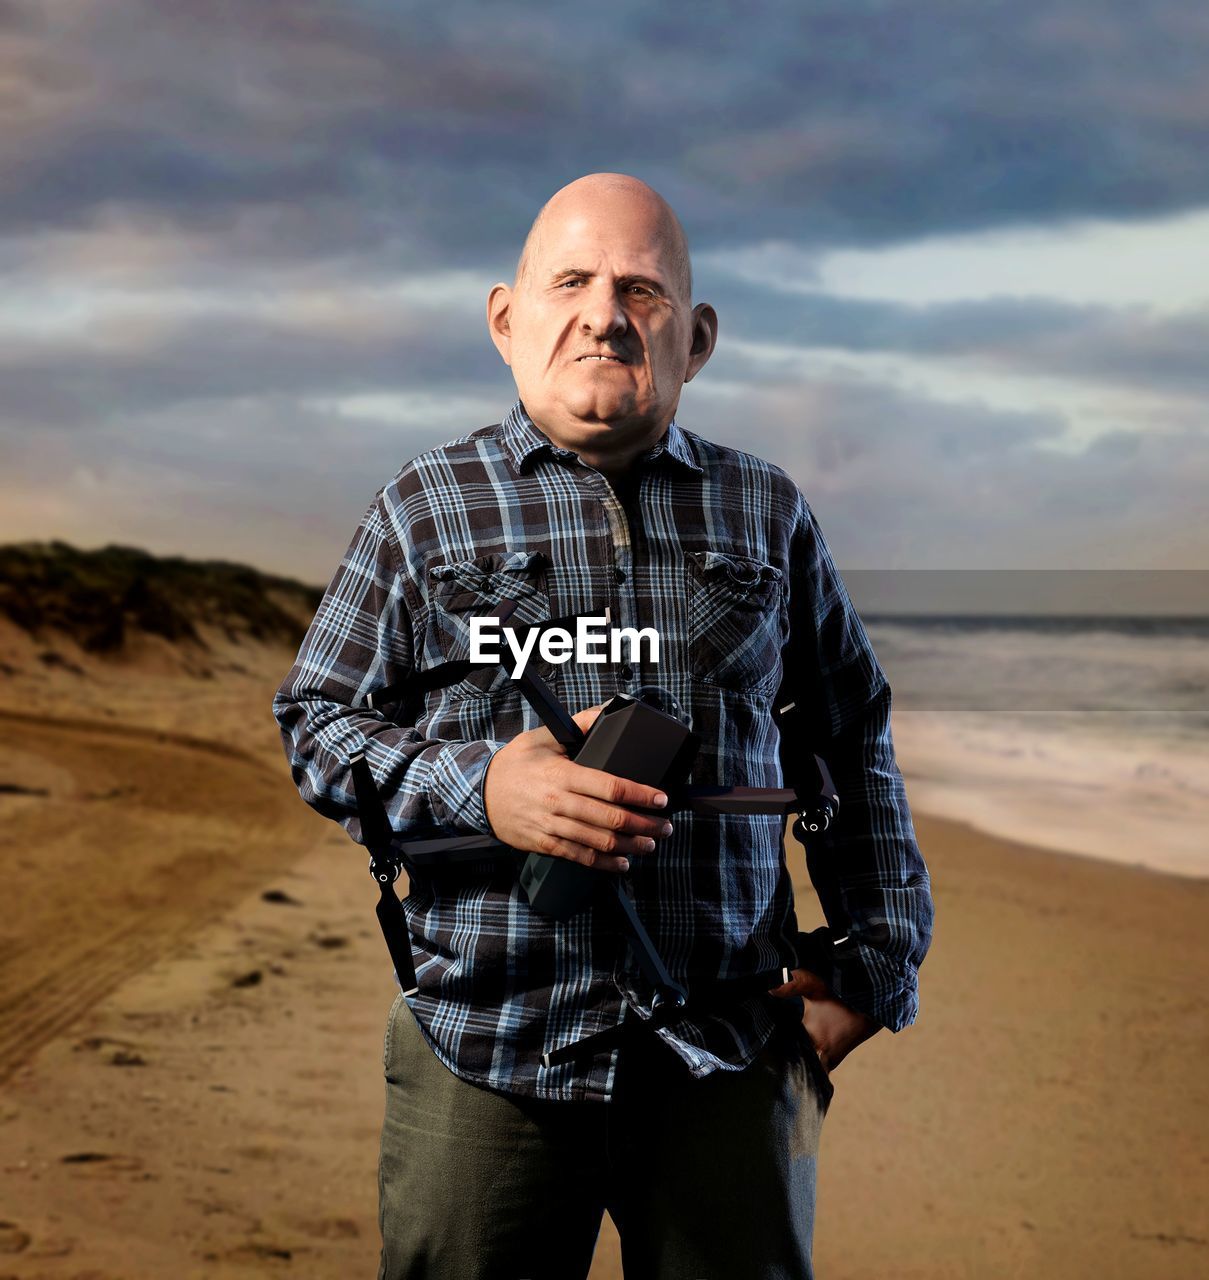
[193, 995]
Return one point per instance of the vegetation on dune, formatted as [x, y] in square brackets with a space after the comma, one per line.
[98, 597]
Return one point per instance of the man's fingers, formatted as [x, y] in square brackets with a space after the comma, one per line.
[820, 1050]
[802, 983]
[556, 845]
[614, 843]
[612, 789]
[584, 719]
[587, 717]
[614, 818]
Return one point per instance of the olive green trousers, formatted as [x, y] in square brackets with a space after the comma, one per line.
[710, 1179]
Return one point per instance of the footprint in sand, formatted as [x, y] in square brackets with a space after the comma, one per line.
[280, 897]
[103, 1161]
[124, 1053]
[329, 1228]
[13, 1239]
[255, 1251]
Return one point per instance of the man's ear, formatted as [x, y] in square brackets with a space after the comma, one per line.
[705, 338]
[499, 316]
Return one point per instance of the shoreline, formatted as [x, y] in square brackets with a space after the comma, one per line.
[1027, 841]
[1065, 789]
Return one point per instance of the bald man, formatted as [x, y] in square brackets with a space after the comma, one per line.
[699, 1137]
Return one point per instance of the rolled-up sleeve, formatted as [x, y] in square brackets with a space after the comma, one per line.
[868, 871]
[362, 639]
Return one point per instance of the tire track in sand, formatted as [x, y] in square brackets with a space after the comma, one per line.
[145, 836]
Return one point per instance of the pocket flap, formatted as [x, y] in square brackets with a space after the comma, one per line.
[471, 573]
[482, 583]
[737, 571]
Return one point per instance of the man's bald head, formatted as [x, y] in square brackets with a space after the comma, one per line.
[599, 328]
[587, 192]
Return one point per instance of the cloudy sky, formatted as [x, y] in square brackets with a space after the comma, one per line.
[960, 253]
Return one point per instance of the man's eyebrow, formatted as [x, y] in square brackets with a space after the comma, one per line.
[650, 283]
[582, 273]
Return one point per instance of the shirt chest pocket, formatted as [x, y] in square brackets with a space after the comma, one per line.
[466, 589]
[738, 621]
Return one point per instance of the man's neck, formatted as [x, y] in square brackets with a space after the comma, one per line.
[610, 462]
[614, 464]
[625, 484]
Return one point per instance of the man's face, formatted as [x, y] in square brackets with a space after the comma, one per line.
[599, 333]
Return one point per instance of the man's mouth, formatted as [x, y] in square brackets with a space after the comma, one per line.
[603, 359]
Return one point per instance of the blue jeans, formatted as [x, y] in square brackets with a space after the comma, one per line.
[709, 1179]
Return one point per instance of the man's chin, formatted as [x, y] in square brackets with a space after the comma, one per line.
[596, 419]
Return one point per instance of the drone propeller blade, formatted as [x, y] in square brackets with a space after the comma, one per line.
[826, 784]
[384, 867]
[398, 941]
[375, 825]
[773, 801]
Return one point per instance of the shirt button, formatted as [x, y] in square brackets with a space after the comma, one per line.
[619, 575]
[627, 672]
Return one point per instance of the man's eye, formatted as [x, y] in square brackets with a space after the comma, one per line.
[567, 282]
[637, 288]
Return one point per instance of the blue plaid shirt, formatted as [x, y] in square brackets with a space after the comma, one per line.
[720, 553]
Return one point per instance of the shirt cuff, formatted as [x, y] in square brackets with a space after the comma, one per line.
[455, 785]
[872, 983]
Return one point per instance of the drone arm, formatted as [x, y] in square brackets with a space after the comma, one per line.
[384, 866]
[668, 992]
[772, 801]
[550, 711]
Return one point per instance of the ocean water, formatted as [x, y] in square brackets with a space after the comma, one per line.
[1089, 735]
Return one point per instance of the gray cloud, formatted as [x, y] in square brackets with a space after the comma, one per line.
[1124, 346]
[899, 480]
[85, 380]
[828, 123]
[123, 365]
[269, 481]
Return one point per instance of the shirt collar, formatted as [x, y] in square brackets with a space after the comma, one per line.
[523, 440]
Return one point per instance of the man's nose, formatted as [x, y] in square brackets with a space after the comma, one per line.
[603, 315]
